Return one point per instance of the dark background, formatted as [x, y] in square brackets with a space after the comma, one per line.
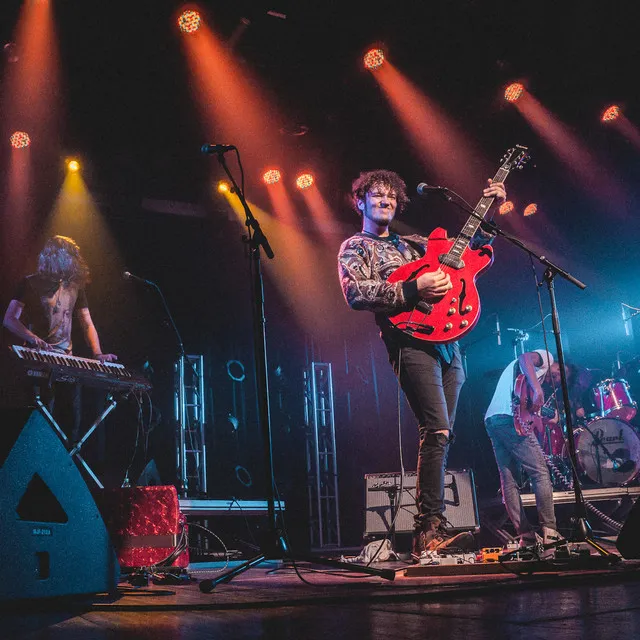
[129, 114]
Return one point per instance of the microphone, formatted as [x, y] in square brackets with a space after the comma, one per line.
[424, 189]
[216, 148]
[498, 330]
[127, 275]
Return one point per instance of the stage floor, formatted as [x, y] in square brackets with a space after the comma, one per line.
[271, 601]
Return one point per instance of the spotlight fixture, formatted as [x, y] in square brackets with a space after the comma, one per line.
[73, 165]
[11, 52]
[189, 21]
[223, 187]
[304, 181]
[513, 92]
[530, 209]
[610, 113]
[506, 207]
[373, 59]
[271, 176]
[20, 140]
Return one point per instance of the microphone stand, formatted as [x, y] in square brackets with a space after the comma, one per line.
[582, 531]
[276, 546]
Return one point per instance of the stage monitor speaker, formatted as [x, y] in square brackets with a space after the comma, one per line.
[53, 541]
[628, 542]
[382, 489]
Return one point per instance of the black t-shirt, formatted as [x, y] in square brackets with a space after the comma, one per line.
[49, 306]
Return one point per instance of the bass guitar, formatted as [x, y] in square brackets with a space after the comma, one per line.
[524, 417]
[454, 314]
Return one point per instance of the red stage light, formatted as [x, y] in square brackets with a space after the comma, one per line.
[189, 21]
[530, 209]
[304, 181]
[272, 176]
[20, 140]
[505, 207]
[373, 59]
[610, 113]
[513, 92]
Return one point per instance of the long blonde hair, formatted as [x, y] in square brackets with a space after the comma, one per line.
[61, 259]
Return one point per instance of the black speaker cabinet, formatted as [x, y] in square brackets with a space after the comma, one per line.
[461, 508]
[53, 541]
[628, 542]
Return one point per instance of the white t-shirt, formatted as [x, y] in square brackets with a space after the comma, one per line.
[501, 402]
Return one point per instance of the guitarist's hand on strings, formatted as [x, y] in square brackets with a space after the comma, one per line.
[433, 284]
[537, 399]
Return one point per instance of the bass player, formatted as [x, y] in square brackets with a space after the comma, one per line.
[510, 425]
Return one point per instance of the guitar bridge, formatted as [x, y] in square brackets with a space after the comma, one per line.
[424, 307]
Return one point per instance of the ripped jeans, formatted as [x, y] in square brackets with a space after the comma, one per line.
[432, 386]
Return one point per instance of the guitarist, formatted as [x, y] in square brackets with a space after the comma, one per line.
[515, 445]
[430, 375]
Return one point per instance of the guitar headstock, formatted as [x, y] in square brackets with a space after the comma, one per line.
[515, 158]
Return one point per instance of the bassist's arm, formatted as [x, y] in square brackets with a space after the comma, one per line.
[528, 363]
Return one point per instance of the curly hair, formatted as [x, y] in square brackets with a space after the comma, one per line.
[368, 179]
[61, 259]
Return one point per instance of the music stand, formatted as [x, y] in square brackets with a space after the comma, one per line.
[275, 546]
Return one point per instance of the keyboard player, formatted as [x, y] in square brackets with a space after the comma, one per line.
[41, 315]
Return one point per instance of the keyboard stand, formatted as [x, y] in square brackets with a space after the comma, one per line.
[75, 452]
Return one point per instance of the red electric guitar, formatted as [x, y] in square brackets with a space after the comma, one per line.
[457, 312]
[524, 418]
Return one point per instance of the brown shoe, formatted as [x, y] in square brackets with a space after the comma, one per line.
[437, 538]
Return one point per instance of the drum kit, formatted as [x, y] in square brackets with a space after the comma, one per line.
[607, 444]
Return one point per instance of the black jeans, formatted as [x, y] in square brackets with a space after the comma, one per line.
[432, 386]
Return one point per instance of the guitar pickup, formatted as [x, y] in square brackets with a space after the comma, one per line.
[451, 261]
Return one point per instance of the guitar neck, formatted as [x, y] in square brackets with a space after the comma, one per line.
[474, 221]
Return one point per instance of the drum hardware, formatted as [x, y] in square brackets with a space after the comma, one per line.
[612, 398]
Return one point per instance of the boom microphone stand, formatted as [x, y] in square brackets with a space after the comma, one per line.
[581, 528]
[276, 546]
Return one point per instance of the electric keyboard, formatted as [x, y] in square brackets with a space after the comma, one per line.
[60, 367]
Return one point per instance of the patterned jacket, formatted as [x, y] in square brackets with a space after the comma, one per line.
[365, 262]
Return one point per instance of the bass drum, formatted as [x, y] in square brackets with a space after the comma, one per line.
[608, 452]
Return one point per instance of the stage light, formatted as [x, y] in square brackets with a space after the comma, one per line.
[73, 165]
[189, 21]
[271, 176]
[530, 209]
[223, 187]
[20, 140]
[373, 59]
[513, 92]
[304, 181]
[505, 207]
[610, 113]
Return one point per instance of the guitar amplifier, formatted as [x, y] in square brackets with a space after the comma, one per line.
[383, 489]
